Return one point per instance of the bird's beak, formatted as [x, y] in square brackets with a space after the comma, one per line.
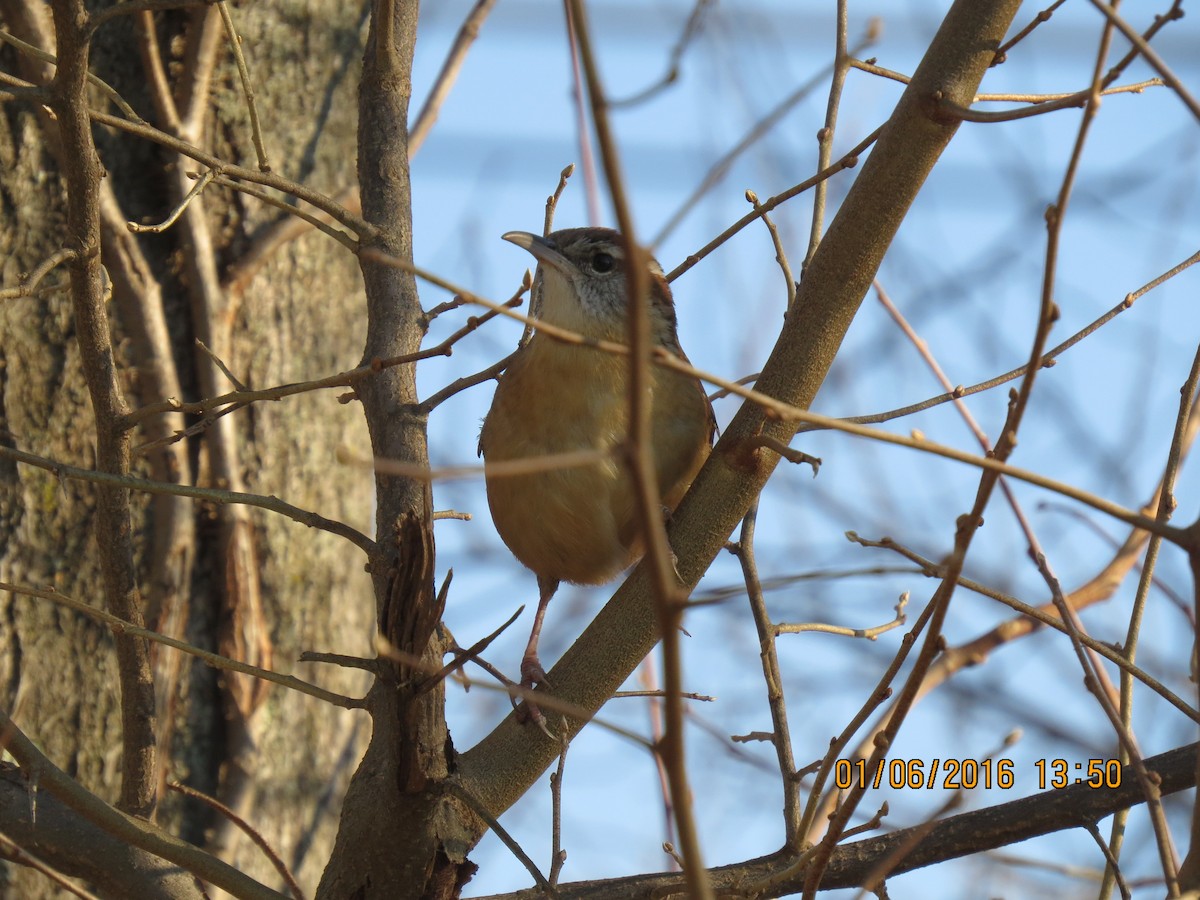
[543, 250]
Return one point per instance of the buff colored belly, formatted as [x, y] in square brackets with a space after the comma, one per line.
[580, 524]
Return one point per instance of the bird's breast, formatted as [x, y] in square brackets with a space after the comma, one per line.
[560, 522]
[581, 524]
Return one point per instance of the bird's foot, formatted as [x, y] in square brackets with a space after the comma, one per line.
[667, 512]
[674, 559]
[532, 675]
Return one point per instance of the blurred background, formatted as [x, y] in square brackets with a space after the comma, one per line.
[966, 271]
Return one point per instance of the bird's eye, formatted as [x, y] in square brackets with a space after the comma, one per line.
[603, 262]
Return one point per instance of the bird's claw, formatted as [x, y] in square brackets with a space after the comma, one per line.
[532, 675]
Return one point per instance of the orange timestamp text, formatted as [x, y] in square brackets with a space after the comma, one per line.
[949, 774]
[968, 774]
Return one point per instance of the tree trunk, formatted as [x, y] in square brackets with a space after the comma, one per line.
[245, 583]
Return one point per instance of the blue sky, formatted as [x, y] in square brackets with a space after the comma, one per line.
[965, 270]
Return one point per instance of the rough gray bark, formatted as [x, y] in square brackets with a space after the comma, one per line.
[296, 319]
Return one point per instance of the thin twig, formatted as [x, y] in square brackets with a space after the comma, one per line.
[849, 161]
[244, 397]
[30, 282]
[121, 626]
[103, 86]
[446, 77]
[691, 28]
[1080, 99]
[558, 855]
[973, 652]
[586, 157]
[1046, 360]
[247, 829]
[220, 364]
[1111, 863]
[870, 634]
[1142, 45]
[467, 381]
[1137, 87]
[14, 852]
[1041, 104]
[687, 695]
[647, 676]
[780, 253]
[761, 128]
[235, 44]
[439, 514]
[346, 240]
[781, 736]
[1042, 17]
[663, 357]
[552, 200]
[201, 183]
[286, 228]
[343, 660]
[841, 60]
[462, 657]
[198, 427]
[879, 695]
[509, 468]
[323, 202]
[790, 454]
[544, 698]
[214, 495]
[134, 831]
[501, 832]
[657, 558]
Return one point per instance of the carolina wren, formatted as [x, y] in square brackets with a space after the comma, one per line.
[581, 524]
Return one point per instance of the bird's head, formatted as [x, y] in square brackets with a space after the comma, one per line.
[584, 284]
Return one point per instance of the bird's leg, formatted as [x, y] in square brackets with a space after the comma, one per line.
[532, 672]
[667, 512]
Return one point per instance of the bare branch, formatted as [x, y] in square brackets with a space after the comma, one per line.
[1142, 45]
[868, 633]
[691, 28]
[247, 829]
[721, 167]
[201, 183]
[30, 282]
[125, 828]
[444, 82]
[1042, 17]
[215, 660]
[235, 44]
[215, 495]
[668, 600]
[114, 530]
[780, 736]
[849, 161]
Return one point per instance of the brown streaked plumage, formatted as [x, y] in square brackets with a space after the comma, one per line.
[581, 524]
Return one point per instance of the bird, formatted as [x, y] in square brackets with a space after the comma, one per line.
[581, 524]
